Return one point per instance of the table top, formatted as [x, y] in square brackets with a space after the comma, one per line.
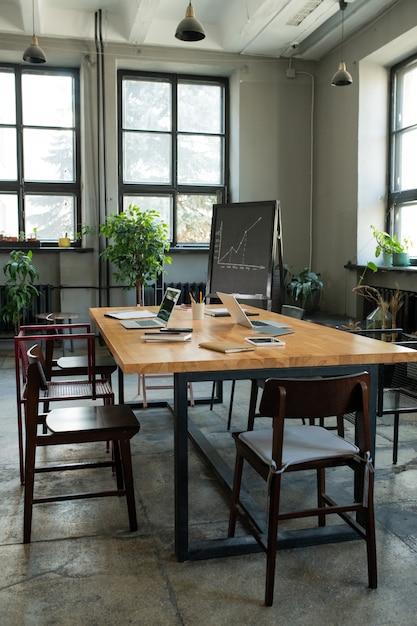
[311, 345]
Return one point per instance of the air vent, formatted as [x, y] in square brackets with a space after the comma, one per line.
[308, 8]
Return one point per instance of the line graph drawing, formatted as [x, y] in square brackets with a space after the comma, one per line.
[235, 254]
[245, 246]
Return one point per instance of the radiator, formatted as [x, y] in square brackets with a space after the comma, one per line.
[187, 288]
[41, 304]
[406, 316]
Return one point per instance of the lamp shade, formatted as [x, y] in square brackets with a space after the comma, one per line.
[342, 77]
[190, 29]
[34, 54]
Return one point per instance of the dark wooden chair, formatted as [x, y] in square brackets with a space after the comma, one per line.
[87, 384]
[76, 425]
[274, 452]
[397, 382]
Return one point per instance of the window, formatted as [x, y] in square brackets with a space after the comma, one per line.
[403, 153]
[39, 160]
[173, 150]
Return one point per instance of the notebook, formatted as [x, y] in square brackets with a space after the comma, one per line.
[162, 317]
[239, 316]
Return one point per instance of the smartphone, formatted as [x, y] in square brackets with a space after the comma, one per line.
[176, 330]
[265, 341]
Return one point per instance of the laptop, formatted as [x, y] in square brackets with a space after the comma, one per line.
[161, 320]
[239, 316]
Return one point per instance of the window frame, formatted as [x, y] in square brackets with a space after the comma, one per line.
[173, 189]
[20, 186]
[397, 198]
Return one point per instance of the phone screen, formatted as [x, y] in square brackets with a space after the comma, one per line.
[264, 341]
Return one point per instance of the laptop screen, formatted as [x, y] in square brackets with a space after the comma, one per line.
[170, 299]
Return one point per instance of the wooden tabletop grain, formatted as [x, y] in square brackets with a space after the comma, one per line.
[311, 345]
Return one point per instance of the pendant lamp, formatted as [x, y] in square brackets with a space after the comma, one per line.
[190, 29]
[342, 78]
[34, 54]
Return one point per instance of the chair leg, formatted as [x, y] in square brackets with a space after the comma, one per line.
[237, 479]
[271, 553]
[29, 480]
[370, 537]
[117, 464]
[232, 395]
[321, 490]
[191, 393]
[395, 441]
[20, 444]
[213, 391]
[252, 404]
[128, 480]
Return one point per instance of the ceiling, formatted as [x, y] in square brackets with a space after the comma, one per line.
[277, 28]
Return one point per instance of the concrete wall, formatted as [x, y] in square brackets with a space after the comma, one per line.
[320, 150]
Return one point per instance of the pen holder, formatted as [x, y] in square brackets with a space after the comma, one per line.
[197, 309]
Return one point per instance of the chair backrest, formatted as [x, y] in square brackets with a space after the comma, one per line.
[292, 311]
[35, 382]
[310, 398]
[35, 357]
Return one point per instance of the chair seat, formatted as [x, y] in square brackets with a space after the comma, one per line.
[81, 362]
[93, 418]
[302, 444]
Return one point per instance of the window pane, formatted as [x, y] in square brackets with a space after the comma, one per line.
[8, 154]
[53, 216]
[8, 100]
[406, 219]
[161, 204]
[146, 158]
[146, 105]
[407, 108]
[9, 222]
[48, 155]
[199, 160]
[406, 147]
[200, 108]
[47, 100]
[194, 214]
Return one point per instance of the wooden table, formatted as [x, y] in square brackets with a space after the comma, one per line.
[311, 350]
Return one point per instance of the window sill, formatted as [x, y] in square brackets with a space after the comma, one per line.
[382, 268]
[11, 245]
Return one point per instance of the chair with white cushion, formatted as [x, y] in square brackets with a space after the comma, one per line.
[291, 447]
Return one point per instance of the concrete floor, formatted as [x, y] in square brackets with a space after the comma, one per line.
[85, 567]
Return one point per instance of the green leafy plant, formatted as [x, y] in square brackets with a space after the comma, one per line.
[84, 230]
[20, 290]
[303, 285]
[385, 243]
[137, 245]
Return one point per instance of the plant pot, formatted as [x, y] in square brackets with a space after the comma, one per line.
[311, 304]
[401, 259]
[387, 259]
[64, 242]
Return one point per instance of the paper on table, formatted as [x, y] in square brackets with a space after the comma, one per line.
[130, 315]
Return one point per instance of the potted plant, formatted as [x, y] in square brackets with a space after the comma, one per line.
[64, 242]
[20, 290]
[305, 289]
[393, 251]
[137, 242]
